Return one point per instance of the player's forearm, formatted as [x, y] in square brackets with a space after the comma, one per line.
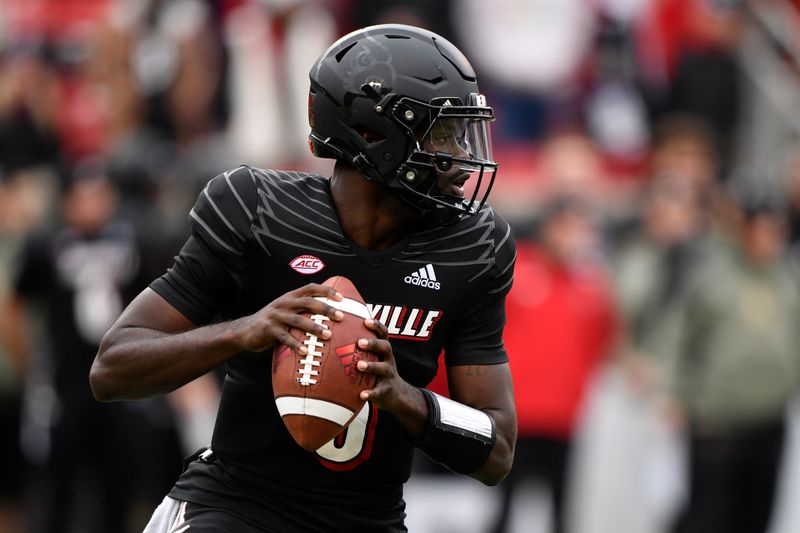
[411, 410]
[137, 362]
[412, 413]
[500, 460]
[474, 432]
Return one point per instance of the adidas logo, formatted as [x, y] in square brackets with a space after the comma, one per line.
[424, 277]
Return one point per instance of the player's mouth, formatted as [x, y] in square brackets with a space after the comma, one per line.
[454, 186]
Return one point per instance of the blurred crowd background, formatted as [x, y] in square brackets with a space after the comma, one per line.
[650, 167]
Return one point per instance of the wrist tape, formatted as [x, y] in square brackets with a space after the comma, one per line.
[457, 436]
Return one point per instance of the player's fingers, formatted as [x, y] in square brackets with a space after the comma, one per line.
[310, 326]
[379, 347]
[315, 289]
[376, 393]
[376, 368]
[379, 329]
[286, 338]
[369, 394]
[316, 307]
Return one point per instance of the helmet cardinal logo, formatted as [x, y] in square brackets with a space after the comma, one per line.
[368, 62]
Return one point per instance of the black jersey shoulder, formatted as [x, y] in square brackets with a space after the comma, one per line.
[222, 216]
[295, 208]
[267, 206]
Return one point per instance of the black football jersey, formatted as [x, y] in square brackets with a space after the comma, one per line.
[257, 234]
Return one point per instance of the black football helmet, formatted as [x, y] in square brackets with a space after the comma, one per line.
[402, 105]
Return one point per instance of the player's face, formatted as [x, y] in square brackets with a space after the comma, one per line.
[448, 136]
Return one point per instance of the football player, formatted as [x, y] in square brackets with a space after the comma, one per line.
[399, 109]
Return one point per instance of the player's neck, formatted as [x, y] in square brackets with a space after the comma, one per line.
[367, 215]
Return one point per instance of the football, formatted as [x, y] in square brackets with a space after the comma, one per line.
[317, 395]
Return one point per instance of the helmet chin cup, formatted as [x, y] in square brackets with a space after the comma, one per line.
[437, 208]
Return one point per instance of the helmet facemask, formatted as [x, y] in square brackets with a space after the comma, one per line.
[452, 145]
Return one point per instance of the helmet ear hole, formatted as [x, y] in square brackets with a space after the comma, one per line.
[369, 135]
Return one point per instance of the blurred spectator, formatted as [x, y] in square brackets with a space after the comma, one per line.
[630, 420]
[652, 270]
[561, 324]
[433, 15]
[685, 146]
[271, 46]
[736, 365]
[570, 163]
[654, 262]
[162, 67]
[94, 471]
[683, 157]
[567, 162]
[25, 202]
[687, 62]
[12, 370]
[29, 104]
[531, 53]
[615, 109]
[707, 82]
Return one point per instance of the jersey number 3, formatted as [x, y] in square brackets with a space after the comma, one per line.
[354, 445]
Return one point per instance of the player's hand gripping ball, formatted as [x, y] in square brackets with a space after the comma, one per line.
[317, 394]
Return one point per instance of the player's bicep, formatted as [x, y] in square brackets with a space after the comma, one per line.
[150, 311]
[148, 315]
[484, 387]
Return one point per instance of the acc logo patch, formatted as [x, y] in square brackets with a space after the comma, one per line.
[306, 264]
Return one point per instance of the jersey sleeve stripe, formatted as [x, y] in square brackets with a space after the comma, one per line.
[212, 234]
[504, 239]
[236, 193]
[503, 287]
[509, 265]
[222, 216]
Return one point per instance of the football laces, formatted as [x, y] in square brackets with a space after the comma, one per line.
[309, 363]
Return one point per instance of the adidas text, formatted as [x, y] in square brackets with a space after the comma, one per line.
[422, 282]
[424, 277]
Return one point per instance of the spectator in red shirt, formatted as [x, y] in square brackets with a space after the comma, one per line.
[560, 324]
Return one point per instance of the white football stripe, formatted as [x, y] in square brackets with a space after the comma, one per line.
[295, 405]
[348, 306]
